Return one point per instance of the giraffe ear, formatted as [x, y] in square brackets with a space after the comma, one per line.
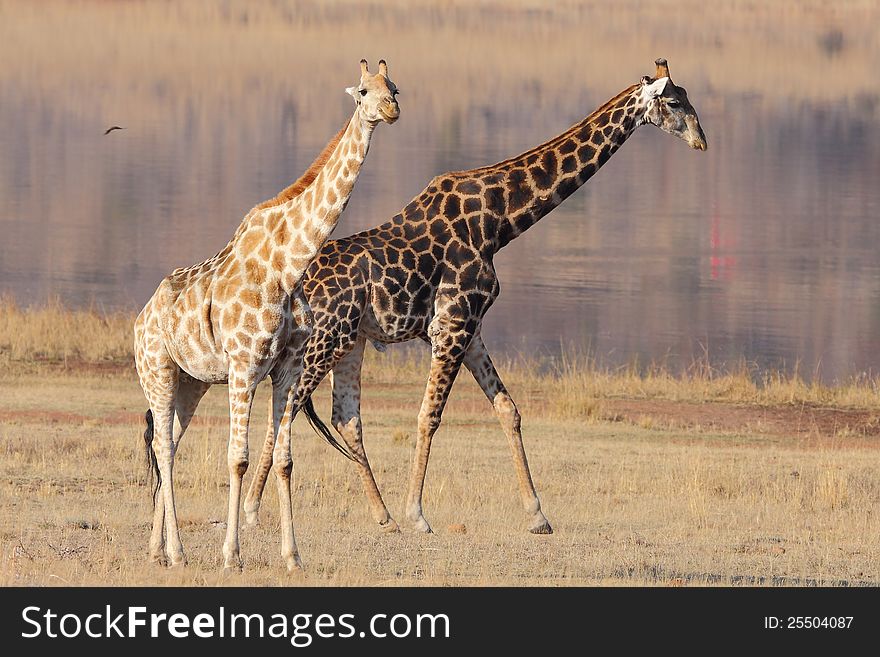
[353, 92]
[655, 88]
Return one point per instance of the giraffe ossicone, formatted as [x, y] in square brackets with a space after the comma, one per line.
[428, 274]
[239, 317]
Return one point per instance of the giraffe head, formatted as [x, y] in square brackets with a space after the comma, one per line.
[375, 95]
[667, 106]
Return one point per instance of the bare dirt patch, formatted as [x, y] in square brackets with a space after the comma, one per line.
[858, 427]
[33, 416]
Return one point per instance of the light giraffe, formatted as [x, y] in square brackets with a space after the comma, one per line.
[428, 273]
[240, 316]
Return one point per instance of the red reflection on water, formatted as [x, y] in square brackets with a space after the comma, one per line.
[722, 267]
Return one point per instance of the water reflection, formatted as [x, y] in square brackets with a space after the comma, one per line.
[763, 248]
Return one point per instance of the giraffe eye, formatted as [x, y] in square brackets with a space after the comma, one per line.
[673, 103]
[362, 92]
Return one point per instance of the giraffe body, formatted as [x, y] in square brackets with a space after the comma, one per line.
[428, 273]
[240, 316]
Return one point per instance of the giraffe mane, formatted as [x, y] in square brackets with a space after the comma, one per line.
[302, 183]
[541, 147]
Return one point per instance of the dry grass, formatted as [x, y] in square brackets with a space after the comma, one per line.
[53, 332]
[647, 500]
[630, 505]
[577, 387]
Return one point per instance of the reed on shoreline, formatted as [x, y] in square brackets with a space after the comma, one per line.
[52, 332]
[574, 384]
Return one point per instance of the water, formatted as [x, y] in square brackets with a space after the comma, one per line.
[762, 249]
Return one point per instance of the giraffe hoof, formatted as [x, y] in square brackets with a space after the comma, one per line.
[389, 527]
[541, 527]
[232, 563]
[158, 559]
[232, 568]
[176, 560]
[421, 525]
[251, 511]
[294, 564]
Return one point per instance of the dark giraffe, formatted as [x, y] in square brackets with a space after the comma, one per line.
[428, 274]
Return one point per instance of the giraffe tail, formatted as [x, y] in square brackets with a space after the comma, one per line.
[152, 463]
[322, 430]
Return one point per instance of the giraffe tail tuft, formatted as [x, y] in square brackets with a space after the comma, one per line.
[322, 430]
[152, 463]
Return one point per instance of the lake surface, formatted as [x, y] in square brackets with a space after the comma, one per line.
[764, 249]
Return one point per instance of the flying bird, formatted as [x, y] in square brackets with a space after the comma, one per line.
[112, 128]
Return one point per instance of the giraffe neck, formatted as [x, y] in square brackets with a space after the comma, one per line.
[540, 179]
[309, 209]
[317, 210]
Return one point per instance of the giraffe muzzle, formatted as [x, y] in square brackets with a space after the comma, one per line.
[696, 137]
[389, 112]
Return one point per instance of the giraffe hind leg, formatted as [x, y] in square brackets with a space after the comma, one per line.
[165, 513]
[449, 340]
[283, 381]
[318, 352]
[189, 394]
[347, 421]
[294, 360]
[157, 534]
[479, 364]
[261, 473]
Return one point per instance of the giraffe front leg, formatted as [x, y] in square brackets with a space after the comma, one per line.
[479, 364]
[347, 421]
[448, 344]
[241, 398]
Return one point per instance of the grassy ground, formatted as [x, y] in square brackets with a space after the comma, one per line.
[647, 478]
